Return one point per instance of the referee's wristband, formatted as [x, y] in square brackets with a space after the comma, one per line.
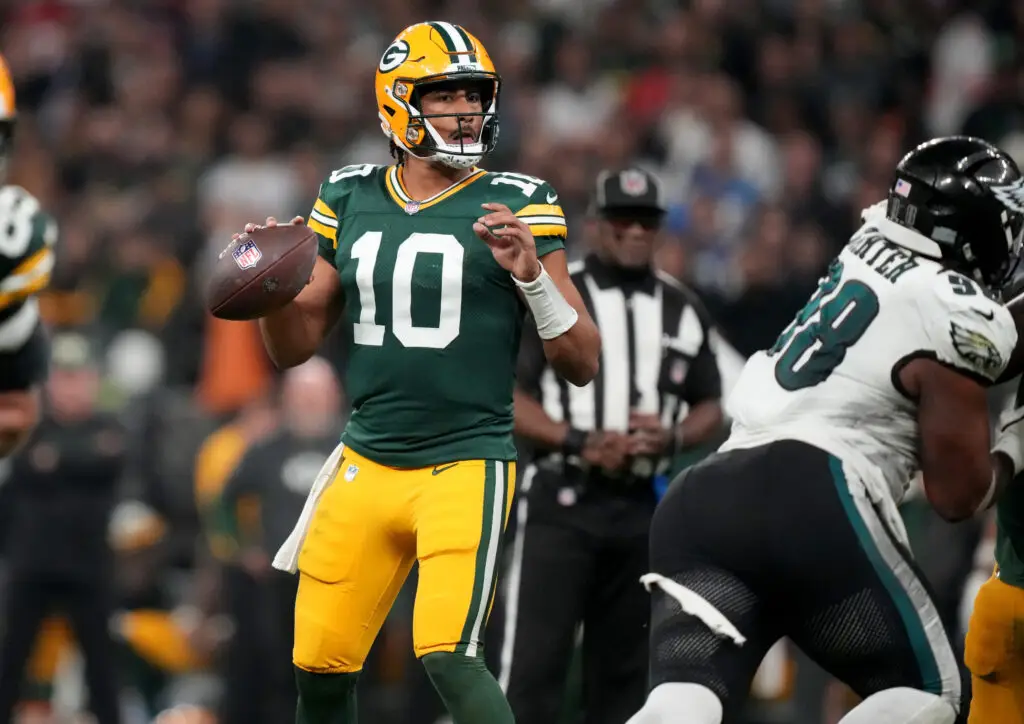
[575, 441]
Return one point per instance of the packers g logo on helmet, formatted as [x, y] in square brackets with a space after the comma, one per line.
[394, 56]
[425, 54]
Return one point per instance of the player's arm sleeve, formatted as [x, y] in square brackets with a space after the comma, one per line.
[323, 219]
[24, 348]
[546, 220]
[966, 330]
[32, 273]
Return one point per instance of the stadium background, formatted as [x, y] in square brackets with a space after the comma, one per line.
[155, 128]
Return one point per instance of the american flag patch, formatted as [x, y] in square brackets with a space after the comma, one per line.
[902, 188]
[247, 255]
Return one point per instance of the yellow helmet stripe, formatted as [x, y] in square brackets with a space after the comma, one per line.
[457, 43]
[465, 38]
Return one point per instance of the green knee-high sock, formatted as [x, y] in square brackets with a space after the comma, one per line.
[326, 698]
[468, 689]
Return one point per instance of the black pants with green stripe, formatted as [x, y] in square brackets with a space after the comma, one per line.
[773, 538]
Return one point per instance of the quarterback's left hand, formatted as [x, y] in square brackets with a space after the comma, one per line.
[511, 242]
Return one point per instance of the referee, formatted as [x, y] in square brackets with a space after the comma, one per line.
[586, 501]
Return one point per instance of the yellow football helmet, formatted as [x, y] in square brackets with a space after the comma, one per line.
[427, 53]
[8, 112]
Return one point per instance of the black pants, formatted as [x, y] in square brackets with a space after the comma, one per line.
[243, 662]
[576, 558]
[282, 695]
[781, 543]
[259, 680]
[87, 607]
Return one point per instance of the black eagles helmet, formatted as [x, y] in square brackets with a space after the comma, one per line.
[967, 197]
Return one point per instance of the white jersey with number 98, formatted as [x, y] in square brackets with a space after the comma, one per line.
[832, 377]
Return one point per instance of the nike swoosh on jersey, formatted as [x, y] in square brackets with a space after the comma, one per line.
[551, 198]
[987, 315]
[438, 470]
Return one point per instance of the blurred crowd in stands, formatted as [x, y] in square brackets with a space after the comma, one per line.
[153, 129]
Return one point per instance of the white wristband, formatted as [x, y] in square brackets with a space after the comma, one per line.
[553, 314]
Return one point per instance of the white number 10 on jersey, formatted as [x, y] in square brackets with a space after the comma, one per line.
[367, 332]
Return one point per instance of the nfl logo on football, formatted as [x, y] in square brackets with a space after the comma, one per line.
[247, 255]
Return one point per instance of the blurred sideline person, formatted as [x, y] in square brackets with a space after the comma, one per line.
[27, 235]
[222, 583]
[587, 498]
[277, 473]
[64, 485]
[883, 373]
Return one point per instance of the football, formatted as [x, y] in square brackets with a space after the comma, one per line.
[261, 271]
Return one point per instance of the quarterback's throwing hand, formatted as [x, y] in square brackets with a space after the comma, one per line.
[511, 242]
[271, 221]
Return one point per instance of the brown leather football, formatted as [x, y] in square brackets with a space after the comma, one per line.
[261, 271]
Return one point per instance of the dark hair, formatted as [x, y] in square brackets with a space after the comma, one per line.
[396, 152]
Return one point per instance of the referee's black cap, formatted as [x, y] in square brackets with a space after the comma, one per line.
[628, 190]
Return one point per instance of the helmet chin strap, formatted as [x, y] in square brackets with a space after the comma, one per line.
[452, 156]
[447, 154]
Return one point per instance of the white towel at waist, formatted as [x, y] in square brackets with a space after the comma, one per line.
[287, 558]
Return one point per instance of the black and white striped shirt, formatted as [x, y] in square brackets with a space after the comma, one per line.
[656, 355]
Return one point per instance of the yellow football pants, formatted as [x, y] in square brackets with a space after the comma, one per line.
[994, 653]
[371, 523]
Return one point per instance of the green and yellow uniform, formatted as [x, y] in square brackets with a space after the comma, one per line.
[994, 650]
[429, 464]
[27, 235]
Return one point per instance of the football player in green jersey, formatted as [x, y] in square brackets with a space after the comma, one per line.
[27, 236]
[994, 649]
[434, 263]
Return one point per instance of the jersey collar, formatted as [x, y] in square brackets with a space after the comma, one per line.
[399, 194]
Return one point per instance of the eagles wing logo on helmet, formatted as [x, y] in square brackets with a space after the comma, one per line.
[1011, 195]
[394, 56]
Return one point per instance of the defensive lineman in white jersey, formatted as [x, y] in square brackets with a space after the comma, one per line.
[791, 529]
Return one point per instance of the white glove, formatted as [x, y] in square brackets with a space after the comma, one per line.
[1010, 432]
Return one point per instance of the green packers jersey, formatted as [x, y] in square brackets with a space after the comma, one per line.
[1010, 534]
[26, 237]
[435, 320]
[26, 260]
